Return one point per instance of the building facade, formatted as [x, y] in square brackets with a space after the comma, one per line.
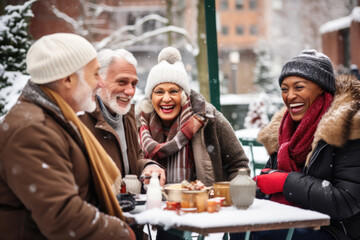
[240, 25]
[340, 40]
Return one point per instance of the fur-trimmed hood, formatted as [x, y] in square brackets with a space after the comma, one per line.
[338, 125]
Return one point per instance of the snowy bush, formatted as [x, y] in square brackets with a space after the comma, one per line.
[264, 78]
[14, 43]
[257, 116]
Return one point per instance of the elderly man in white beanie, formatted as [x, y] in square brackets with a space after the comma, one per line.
[56, 181]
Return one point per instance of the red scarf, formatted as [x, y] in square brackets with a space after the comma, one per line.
[174, 151]
[295, 142]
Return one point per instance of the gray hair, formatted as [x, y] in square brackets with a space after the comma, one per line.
[107, 57]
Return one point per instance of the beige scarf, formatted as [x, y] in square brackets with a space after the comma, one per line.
[105, 174]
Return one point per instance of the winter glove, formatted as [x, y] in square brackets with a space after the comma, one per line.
[271, 181]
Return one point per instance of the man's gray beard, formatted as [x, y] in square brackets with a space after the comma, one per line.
[112, 103]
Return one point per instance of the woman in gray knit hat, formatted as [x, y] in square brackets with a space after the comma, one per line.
[314, 148]
[183, 132]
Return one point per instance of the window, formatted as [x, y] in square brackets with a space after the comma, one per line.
[253, 30]
[239, 4]
[224, 30]
[224, 5]
[148, 25]
[131, 19]
[253, 4]
[239, 30]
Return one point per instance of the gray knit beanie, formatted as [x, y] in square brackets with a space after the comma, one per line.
[311, 65]
[58, 55]
[169, 69]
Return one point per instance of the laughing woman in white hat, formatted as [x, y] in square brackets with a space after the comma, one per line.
[183, 132]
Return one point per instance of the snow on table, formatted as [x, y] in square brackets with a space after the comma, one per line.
[260, 212]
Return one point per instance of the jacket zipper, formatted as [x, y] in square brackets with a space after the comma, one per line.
[312, 160]
[314, 156]
[342, 224]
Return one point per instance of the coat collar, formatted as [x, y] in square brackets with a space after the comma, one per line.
[200, 106]
[34, 93]
[338, 125]
[102, 123]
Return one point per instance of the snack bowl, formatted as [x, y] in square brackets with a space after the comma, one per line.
[172, 192]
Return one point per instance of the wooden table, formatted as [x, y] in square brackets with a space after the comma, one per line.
[262, 215]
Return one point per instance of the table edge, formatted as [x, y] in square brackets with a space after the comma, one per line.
[256, 227]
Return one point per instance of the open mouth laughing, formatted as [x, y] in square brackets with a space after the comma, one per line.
[296, 107]
[167, 108]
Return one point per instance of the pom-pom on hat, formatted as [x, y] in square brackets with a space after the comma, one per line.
[169, 69]
[58, 55]
[313, 66]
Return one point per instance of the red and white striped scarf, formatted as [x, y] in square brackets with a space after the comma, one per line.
[174, 151]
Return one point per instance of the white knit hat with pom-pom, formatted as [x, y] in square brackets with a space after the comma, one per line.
[169, 69]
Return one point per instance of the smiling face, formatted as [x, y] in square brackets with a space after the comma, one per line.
[298, 94]
[120, 85]
[166, 99]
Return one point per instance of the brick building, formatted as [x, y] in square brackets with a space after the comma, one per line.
[240, 24]
[341, 38]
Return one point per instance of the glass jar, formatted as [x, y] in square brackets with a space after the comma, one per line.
[222, 189]
[133, 185]
[194, 199]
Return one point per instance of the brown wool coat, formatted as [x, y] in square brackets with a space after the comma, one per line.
[218, 153]
[109, 139]
[45, 181]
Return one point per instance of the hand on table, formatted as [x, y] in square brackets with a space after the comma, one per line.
[271, 181]
[154, 168]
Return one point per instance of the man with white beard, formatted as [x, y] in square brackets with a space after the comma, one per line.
[56, 180]
[113, 122]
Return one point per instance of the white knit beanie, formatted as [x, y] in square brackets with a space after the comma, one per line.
[169, 69]
[58, 55]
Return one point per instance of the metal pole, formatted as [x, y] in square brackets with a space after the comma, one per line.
[213, 65]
